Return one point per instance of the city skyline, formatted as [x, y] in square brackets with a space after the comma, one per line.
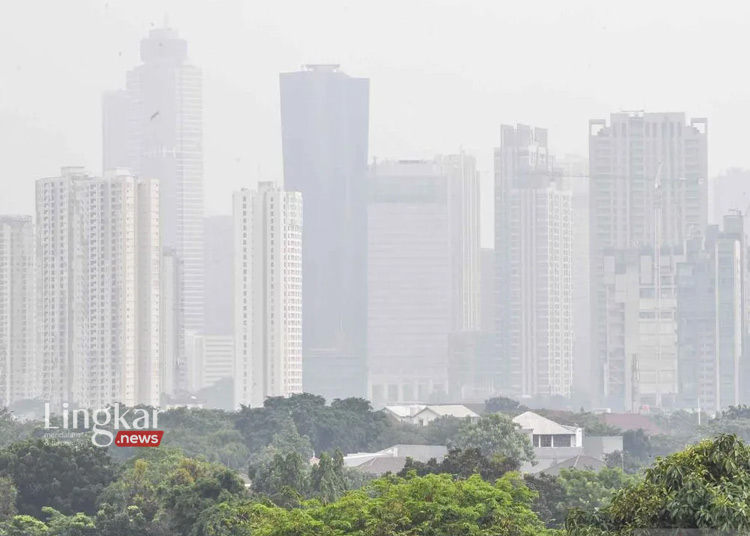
[370, 226]
[46, 129]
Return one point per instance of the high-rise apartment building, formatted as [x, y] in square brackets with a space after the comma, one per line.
[575, 173]
[463, 181]
[18, 363]
[324, 120]
[268, 245]
[98, 284]
[533, 259]
[159, 118]
[711, 318]
[648, 185]
[423, 273]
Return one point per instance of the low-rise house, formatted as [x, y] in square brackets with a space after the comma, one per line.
[393, 459]
[404, 413]
[586, 463]
[553, 443]
[430, 413]
[546, 433]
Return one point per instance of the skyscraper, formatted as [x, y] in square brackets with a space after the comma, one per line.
[533, 247]
[98, 284]
[268, 245]
[324, 119]
[160, 116]
[711, 319]
[410, 281]
[18, 364]
[575, 172]
[628, 210]
[463, 181]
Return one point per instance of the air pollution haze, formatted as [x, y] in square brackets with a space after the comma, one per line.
[444, 75]
[378, 267]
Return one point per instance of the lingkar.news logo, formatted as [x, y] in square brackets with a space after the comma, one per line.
[134, 427]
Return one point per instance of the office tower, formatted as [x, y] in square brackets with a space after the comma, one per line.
[412, 252]
[174, 361]
[324, 120]
[575, 173]
[533, 248]
[160, 115]
[730, 192]
[18, 364]
[711, 318]
[487, 289]
[98, 284]
[463, 180]
[628, 157]
[218, 272]
[267, 294]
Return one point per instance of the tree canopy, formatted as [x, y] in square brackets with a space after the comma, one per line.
[706, 486]
[494, 434]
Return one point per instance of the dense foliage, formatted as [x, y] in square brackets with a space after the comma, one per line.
[292, 452]
[706, 486]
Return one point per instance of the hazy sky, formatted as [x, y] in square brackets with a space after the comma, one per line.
[444, 74]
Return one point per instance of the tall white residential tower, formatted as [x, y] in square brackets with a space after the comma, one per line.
[533, 248]
[98, 285]
[267, 294]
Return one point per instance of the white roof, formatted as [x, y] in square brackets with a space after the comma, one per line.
[451, 410]
[405, 411]
[541, 425]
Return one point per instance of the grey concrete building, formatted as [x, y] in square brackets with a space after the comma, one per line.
[324, 124]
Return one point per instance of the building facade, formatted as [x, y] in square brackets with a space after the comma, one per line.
[155, 129]
[640, 316]
[575, 173]
[711, 319]
[423, 274]
[463, 180]
[533, 248]
[211, 359]
[267, 292]
[410, 277]
[324, 123]
[98, 289]
[19, 378]
[648, 187]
